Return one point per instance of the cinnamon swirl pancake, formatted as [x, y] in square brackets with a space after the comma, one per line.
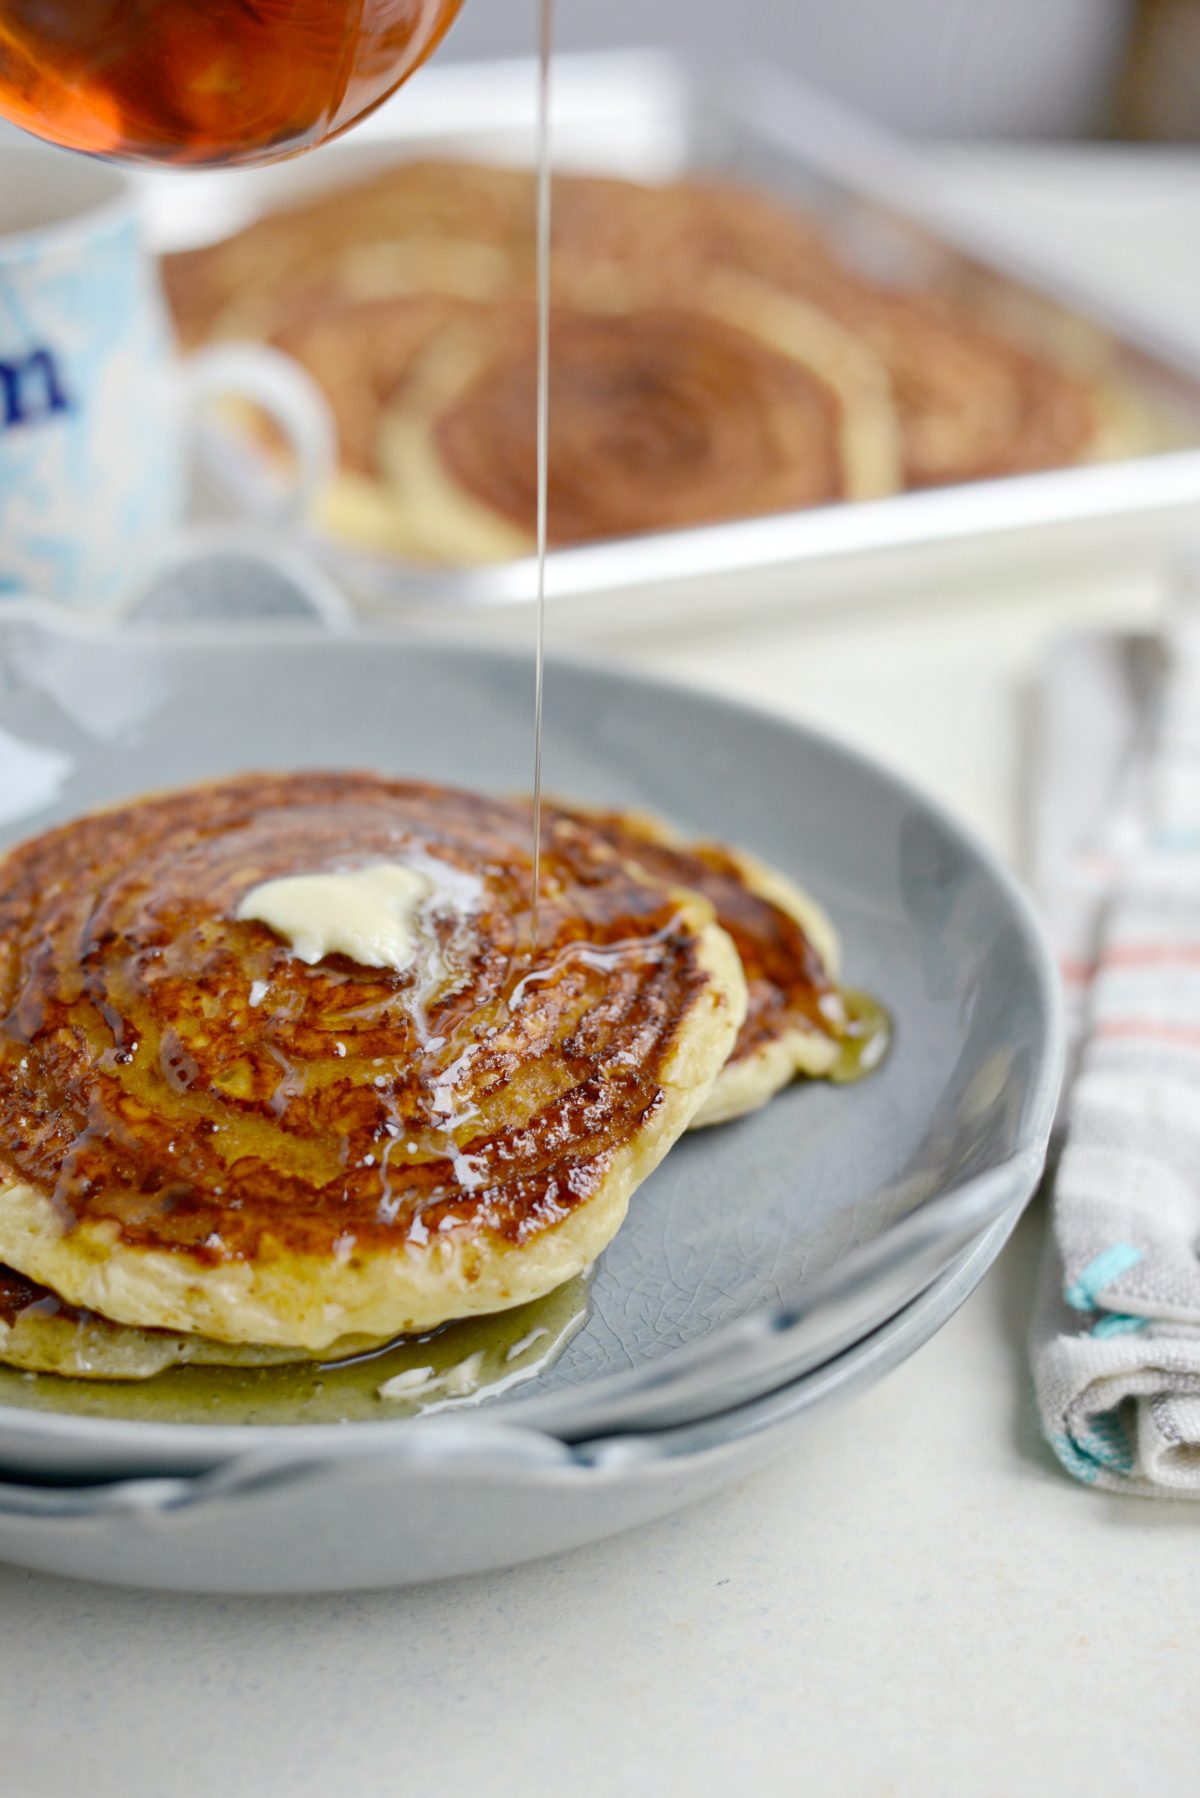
[970, 404]
[416, 227]
[662, 417]
[797, 1018]
[409, 297]
[363, 355]
[207, 1132]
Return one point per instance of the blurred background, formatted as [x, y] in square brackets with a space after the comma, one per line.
[987, 68]
[1033, 69]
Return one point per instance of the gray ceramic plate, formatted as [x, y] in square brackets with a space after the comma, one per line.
[740, 1229]
[470, 1499]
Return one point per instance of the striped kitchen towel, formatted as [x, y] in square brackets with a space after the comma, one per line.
[1116, 1340]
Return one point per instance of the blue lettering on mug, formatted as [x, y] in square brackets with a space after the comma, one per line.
[31, 389]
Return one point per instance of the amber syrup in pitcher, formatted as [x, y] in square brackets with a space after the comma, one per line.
[207, 82]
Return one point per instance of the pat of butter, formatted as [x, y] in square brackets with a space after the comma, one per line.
[369, 914]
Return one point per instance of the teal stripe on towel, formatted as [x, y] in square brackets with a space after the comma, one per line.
[1083, 1292]
[1118, 1323]
[1104, 1444]
[1074, 1460]
[1105, 1441]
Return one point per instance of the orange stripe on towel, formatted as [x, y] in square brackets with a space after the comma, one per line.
[1150, 1030]
[1151, 955]
[1077, 973]
[1131, 955]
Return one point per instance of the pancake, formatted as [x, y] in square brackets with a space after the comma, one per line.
[971, 404]
[662, 418]
[362, 354]
[745, 402]
[200, 1133]
[409, 297]
[797, 1020]
[42, 1334]
[413, 227]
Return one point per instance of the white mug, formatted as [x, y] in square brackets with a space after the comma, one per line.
[95, 411]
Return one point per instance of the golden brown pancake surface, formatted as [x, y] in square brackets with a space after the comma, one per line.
[175, 1082]
[660, 418]
[798, 1019]
[786, 976]
[328, 247]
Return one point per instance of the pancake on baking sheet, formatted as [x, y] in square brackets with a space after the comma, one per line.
[363, 354]
[798, 1020]
[746, 404]
[212, 1126]
[971, 404]
[662, 417]
[410, 295]
[414, 227]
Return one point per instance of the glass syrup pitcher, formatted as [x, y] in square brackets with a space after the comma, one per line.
[197, 83]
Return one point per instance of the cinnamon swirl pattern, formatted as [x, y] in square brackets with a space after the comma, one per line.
[661, 418]
[711, 358]
[202, 1134]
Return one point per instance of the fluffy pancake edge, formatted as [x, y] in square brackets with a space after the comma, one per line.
[747, 1084]
[95, 1348]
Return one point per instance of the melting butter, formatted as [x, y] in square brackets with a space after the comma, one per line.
[368, 914]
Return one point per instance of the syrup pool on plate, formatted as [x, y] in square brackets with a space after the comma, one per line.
[459, 1365]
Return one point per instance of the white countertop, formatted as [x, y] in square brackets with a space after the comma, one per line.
[916, 1601]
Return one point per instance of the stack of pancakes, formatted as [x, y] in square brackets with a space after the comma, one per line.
[711, 358]
[212, 1152]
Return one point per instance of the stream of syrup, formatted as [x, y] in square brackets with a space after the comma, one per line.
[545, 48]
